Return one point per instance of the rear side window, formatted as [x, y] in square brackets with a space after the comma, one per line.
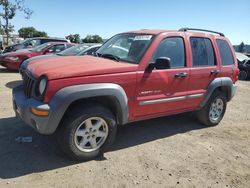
[172, 48]
[202, 51]
[225, 52]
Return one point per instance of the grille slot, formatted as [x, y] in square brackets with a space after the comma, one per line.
[28, 83]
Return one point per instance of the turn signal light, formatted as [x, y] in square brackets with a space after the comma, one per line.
[38, 112]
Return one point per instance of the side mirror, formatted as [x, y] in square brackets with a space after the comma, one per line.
[160, 63]
[163, 63]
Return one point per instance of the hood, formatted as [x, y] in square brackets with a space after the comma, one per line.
[33, 60]
[76, 66]
[21, 53]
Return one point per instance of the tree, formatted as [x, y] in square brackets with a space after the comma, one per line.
[92, 39]
[9, 9]
[28, 32]
[241, 47]
[74, 38]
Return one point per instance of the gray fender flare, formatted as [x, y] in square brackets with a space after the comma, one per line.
[65, 96]
[218, 82]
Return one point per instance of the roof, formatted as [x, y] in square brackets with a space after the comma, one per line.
[188, 30]
[52, 38]
[149, 31]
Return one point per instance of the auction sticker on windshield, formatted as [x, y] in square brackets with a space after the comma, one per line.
[143, 37]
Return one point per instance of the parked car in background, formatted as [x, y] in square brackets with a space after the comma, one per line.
[80, 49]
[244, 65]
[13, 60]
[77, 50]
[31, 43]
[134, 76]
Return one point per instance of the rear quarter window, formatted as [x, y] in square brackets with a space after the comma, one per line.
[225, 52]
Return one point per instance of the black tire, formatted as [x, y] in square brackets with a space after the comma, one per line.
[203, 115]
[72, 120]
[243, 75]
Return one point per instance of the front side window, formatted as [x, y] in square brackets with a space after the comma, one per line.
[225, 52]
[126, 47]
[40, 47]
[202, 52]
[172, 48]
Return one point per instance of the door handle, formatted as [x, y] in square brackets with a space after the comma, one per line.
[215, 72]
[181, 75]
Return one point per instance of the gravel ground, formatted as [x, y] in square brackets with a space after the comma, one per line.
[174, 151]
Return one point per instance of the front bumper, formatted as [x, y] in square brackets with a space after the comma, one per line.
[234, 88]
[10, 65]
[22, 106]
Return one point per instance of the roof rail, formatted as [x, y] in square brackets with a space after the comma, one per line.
[194, 29]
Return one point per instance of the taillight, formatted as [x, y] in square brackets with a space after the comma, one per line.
[236, 74]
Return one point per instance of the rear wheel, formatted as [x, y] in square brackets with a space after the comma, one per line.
[212, 113]
[243, 75]
[88, 132]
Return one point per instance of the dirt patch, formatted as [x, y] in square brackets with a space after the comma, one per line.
[174, 151]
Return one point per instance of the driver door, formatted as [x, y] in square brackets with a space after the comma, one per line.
[164, 91]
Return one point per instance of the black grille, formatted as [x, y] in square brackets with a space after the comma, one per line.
[28, 83]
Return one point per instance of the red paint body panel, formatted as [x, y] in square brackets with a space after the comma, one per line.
[138, 84]
[78, 66]
[22, 55]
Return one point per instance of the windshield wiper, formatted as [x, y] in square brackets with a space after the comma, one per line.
[110, 56]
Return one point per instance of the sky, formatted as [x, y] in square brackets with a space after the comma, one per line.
[106, 18]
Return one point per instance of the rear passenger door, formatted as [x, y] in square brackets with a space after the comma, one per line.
[203, 70]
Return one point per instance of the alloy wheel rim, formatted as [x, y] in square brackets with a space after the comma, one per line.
[91, 134]
[216, 110]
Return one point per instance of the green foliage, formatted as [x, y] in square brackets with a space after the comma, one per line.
[28, 32]
[74, 38]
[92, 39]
[9, 9]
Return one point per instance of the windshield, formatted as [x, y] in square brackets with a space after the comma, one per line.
[74, 50]
[24, 41]
[40, 47]
[126, 47]
[241, 57]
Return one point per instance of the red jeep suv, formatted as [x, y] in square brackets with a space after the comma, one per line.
[134, 76]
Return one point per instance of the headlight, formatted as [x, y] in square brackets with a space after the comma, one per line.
[11, 58]
[42, 86]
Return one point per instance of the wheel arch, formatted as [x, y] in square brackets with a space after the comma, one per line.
[109, 102]
[111, 96]
[223, 84]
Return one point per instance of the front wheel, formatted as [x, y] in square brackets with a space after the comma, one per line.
[87, 132]
[212, 113]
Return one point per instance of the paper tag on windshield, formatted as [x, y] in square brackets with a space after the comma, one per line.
[143, 37]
